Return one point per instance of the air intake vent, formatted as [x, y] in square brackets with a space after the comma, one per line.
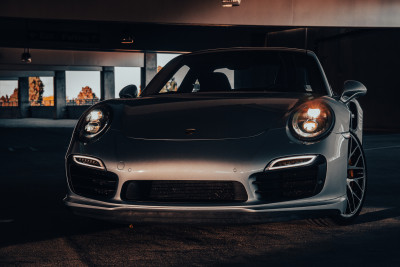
[292, 183]
[92, 183]
[184, 191]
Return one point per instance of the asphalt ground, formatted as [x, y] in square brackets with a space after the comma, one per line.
[36, 228]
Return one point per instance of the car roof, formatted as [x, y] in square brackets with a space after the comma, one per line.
[232, 49]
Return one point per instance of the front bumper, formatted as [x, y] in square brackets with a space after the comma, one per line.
[234, 160]
[255, 213]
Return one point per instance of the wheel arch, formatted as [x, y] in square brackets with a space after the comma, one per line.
[356, 119]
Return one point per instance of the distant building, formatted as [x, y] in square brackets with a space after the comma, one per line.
[86, 96]
[48, 101]
[14, 96]
[6, 101]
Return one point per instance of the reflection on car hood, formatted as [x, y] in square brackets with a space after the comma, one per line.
[205, 117]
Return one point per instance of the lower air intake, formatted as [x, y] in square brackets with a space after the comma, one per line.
[184, 191]
[89, 182]
[291, 183]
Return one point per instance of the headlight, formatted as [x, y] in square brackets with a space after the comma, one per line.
[311, 121]
[93, 123]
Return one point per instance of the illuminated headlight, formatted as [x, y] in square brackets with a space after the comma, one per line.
[93, 123]
[311, 121]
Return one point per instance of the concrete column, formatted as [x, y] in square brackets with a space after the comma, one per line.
[23, 97]
[60, 105]
[107, 87]
[149, 70]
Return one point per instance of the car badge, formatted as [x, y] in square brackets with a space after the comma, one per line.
[190, 131]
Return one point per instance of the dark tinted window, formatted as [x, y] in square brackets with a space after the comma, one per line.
[275, 71]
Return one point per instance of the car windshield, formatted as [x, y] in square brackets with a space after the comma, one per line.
[238, 71]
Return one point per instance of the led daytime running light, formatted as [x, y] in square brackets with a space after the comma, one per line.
[88, 161]
[290, 162]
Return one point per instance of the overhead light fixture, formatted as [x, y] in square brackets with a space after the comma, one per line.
[26, 56]
[230, 3]
[126, 39]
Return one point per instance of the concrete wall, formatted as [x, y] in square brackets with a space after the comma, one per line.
[74, 112]
[371, 57]
[42, 112]
[9, 112]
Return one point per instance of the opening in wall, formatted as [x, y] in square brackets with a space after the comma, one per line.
[41, 91]
[9, 93]
[82, 87]
[126, 76]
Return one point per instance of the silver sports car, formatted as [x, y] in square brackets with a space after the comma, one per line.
[239, 135]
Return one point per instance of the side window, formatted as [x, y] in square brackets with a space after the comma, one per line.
[230, 74]
[175, 82]
[302, 79]
[196, 86]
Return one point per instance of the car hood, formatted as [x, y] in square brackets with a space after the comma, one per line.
[205, 117]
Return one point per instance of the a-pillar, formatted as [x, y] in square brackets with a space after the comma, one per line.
[107, 87]
[23, 97]
[149, 69]
[60, 105]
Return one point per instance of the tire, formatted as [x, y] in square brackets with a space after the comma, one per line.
[356, 186]
[356, 182]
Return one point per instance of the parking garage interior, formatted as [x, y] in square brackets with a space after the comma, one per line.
[354, 40]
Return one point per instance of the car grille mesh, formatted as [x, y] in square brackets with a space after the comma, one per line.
[184, 191]
[291, 183]
[90, 182]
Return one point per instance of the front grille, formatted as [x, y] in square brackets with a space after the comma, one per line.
[184, 191]
[93, 183]
[291, 183]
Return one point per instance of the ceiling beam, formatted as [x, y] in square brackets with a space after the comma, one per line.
[14, 75]
[43, 57]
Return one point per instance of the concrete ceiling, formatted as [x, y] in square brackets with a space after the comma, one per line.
[86, 34]
[337, 13]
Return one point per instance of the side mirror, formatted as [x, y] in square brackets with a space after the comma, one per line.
[129, 91]
[352, 89]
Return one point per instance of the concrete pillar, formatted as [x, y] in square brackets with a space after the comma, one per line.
[60, 105]
[149, 70]
[23, 97]
[107, 87]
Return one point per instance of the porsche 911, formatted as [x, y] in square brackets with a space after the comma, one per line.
[238, 135]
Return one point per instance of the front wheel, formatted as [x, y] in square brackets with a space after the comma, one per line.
[356, 182]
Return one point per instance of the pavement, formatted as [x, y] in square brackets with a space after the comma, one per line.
[37, 230]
